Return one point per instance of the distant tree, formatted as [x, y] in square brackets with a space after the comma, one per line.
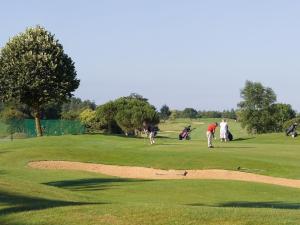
[255, 111]
[12, 113]
[209, 114]
[35, 70]
[165, 112]
[128, 114]
[133, 114]
[70, 115]
[90, 120]
[77, 104]
[106, 114]
[71, 109]
[189, 113]
[280, 114]
[230, 114]
[12, 116]
[174, 115]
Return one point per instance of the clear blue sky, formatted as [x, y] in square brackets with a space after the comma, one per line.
[180, 53]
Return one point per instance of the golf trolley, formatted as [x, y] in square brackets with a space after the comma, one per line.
[291, 131]
[185, 133]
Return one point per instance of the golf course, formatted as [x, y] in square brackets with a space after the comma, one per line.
[68, 196]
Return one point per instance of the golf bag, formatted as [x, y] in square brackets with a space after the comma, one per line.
[292, 131]
[152, 129]
[230, 136]
[185, 134]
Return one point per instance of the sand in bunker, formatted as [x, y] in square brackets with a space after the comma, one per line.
[150, 173]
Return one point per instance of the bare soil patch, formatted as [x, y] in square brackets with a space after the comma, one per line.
[157, 174]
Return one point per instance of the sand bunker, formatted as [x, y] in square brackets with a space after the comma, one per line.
[150, 173]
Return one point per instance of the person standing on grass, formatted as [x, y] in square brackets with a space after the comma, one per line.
[224, 131]
[151, 133]
[211, 129]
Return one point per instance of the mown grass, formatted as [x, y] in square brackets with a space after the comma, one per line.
[29, 196]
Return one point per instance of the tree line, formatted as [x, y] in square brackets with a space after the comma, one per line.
[37, 80]
[191, 113]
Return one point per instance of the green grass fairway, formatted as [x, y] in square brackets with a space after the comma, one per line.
[47, 197]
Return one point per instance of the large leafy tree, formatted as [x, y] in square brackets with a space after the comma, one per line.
[35, 70]
[189, 113]
[106, 115]
[256, 109]
[134, 113]
[165, 112]
[128, 114]
[281, 114]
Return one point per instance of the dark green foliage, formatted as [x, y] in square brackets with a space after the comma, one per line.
[106, 114]
[288, 123]
[256, 107]
[165, 112]
[13, 115]
[74, 106]
[132, 114]
[258, 112]
[281, 113]
[12, 110]
[192, 113]
[209, 114]
[35, 70]
[256, 96]
[189, 113]
[229, 114]
[51, 111]
[128, 114]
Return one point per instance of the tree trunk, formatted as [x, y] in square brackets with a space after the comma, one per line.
[38, 128]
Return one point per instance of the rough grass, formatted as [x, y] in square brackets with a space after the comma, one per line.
[29, 196]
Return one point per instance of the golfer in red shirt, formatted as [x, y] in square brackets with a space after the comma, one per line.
[211, 129]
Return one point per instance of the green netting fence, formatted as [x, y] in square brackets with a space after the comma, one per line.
[26, 128]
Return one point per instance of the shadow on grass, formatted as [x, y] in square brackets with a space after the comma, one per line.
[243, 139]
[3, 152]
[20, 203]
[272, 205]
[165, 137]
[94, 184]
[168, 144]
[131, 136]
[233, 147]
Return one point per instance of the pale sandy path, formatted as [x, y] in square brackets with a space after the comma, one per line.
[150, 173]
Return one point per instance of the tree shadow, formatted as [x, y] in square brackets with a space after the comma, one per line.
[233, 147]
[94, 184]
[3, 152]
[243, 139]
[168, 144]
[165, 137]
[244, 204]
[20, 203]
